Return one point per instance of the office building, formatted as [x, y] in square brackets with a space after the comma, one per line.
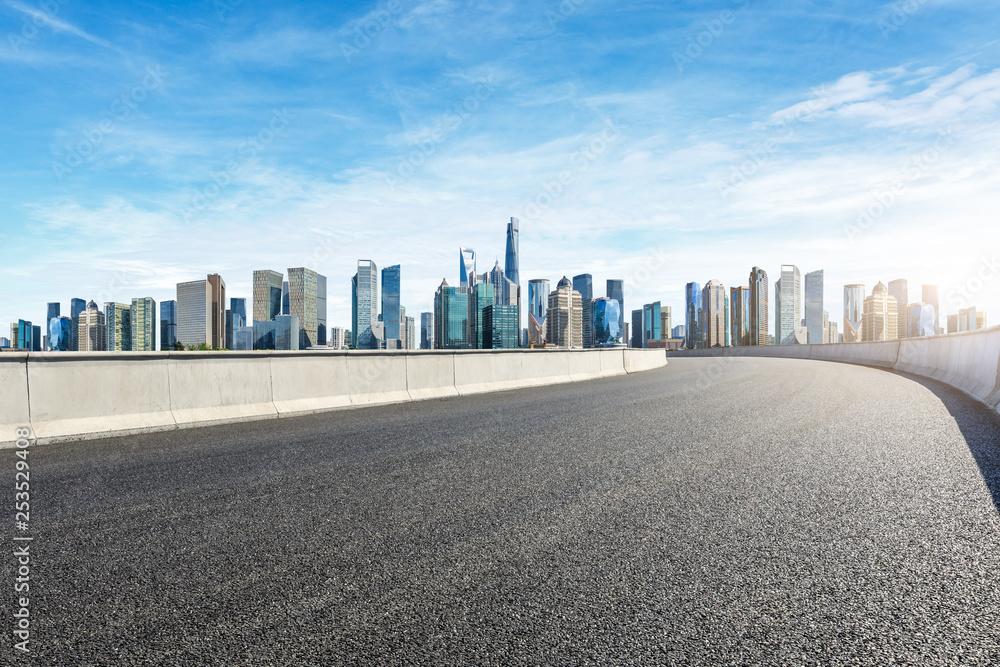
[920, 318]
[467, 267]
[143, 319]
[666, 322]
[365, 327]
[759, 294]
[854, 310]
[392, 316]
[118, 325]
[286, 304]
[900, 292]
[201, 312]
[411, 334]
[605, 326]
[832, 335]
[538, 304]
[480, 296]
[426, 331]
[60, 334]
[952, 324]
[679, 331]
[815, 329]
[564, 318]
[303, 304]
[236, 318]
[930, 294]
[92, 333]
[739, 316]
[788, 305]
[338, 338]
[652, 322]
[970, 319]
[584, 284]
[635, 339]
[76, 306]
[267, 290]
[715, 318]
[511, 268]
[35, 338]
[616, 290]
[168, 324]
[321, 326]
[879, 317]
[693, 325]
[500, 326]
[451, 317]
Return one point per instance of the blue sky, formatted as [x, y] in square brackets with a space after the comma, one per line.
[659, 142]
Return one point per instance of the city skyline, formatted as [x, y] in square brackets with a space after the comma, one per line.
[868, 149]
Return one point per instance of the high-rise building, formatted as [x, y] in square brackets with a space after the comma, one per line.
[952, 323]
[364, 307]
[118, 325]
[920, 318]
[267, 288]
[930, 294]
[854, 310]
[679, 332]
[693, 323]
[584, 284]
[815, 330]
[480, 296]
[739, 316]
[201, 312]
[832, 335]
[879, 318]
[52, 310]
[500, 327]
[970, 319]
[635, 339]
[168, 324]
[616, 290]
[36, 338]
[143, 317]
[605, 326]
[467, 267]
[714, 317]
[511, 267]
[451, 317]
[898, 290]
[759, 295]
[426, 331]
[236, 318]
[788, 305]
[538, 300]
[286, 303]
[411, 334]
[92, 334]
[666, 322]
[321, 328]
[303, 303]
[652, 321]
[391, 308]
[338, 338]
[60, 334]
[287, 331]
[564, 318]
[76, 306]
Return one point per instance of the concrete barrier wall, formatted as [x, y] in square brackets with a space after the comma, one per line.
[968, 361]
[63, 396]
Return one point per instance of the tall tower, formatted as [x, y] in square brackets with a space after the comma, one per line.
[880, 315]
[759, 295]
[364, 306]
[391, 309]
[266, 295]
[467, 267]
[584, 284]
[930, 297]
[616, 291]
[512, 269]
[538, 302]
[739, 316]
[693, 325]
[815, 328]
[563, 324]
[714, 314]
[854, 309]
[143, 316]
[303, 288]
[788, 309]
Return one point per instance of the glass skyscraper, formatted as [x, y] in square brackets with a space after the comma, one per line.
[814, 308]
[500, 327]
[511, 268]
[636, 337]
[76, 306]
[321, 330]
[714, 320]
[303, 303]
[267, 287]
[854, 311]
[480, 296]
[391, 310]
[451, 317]
[60, 334]
[538, 304]
[467, 267]
[693, 324]
[584, 284]
[788, 306]
[616, 291]
[143, 320]
[168, 325]
[427, 331]
[118, 318]
[652, 322]
[364, 306]
[759, 295]
[739, 299]
[930, 297]
[606, 316]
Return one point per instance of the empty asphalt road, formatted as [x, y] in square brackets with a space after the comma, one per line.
[717, 511]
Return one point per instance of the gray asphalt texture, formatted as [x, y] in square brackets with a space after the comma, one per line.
[718, 511]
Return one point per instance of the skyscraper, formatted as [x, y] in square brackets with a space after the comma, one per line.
[52, 310]
[36, 338]
[143, 317]
[693, 323]
[920, 319]
[788, 306]
[168, 325]
[563, 321]
[60, 334]
[511, 268]
[816, 331]
[584, 284]
[666, 322]
[538, 301]
[500, 327]
[930, 294]
[451, 317]
[879, 318]
[652, 321]
[616, 291]
[391, 309]
[303, 303]
[92, 335]
[285, 299]
[759, 294]
[714, 318]
[76, 306]
[364, 306]
[739, 316]
[267, 287]
[427, 331]
[467, 267]
[898, 290]
[201, 312]
[118, 325]
[854, 309]
[605, 327]
[635, 331]
[480, 296]
[321, 329]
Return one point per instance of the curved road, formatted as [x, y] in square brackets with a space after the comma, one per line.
[717, 511]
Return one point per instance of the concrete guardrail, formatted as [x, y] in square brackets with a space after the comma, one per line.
[68, 396]
[968, 361]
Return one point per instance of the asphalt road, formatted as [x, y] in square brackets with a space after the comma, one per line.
[718, 511]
